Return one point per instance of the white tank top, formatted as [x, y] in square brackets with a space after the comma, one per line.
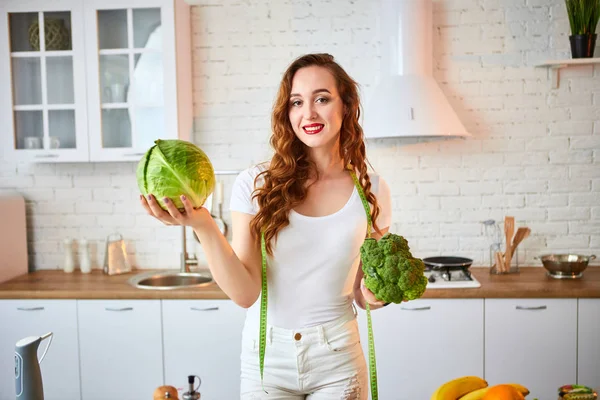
[315, 259]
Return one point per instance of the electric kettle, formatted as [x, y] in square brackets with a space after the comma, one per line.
[28, 376]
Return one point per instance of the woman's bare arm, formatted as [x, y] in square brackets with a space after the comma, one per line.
[237, 267]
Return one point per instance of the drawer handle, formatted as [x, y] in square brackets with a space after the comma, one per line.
[416, 308]
[133, 154]
[204, 309]
[531, 308]
[30, 308]
[118, 309]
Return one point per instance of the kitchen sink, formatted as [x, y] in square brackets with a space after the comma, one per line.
[167, 280]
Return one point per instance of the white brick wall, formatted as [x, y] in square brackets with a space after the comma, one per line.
[534, 154]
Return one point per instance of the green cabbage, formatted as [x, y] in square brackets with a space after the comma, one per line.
[171, 168]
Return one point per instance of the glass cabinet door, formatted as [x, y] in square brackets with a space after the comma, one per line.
[43, 82]
[131, 61]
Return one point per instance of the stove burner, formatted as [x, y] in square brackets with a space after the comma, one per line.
[450, 278]
[449, 274]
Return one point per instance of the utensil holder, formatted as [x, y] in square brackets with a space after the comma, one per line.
[514, 263]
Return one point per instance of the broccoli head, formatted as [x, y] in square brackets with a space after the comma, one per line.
[391, 272]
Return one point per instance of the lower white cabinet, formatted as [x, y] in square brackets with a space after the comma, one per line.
[120, 344]
[60, 367]
[125, 349]
[423, 343]
[532, 342]
[203, 338]
[588, 367]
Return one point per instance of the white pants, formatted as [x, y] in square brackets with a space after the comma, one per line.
[317, 363]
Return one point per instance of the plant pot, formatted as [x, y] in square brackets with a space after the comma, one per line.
[582, 46]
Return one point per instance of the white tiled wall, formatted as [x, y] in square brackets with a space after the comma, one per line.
[534, 154]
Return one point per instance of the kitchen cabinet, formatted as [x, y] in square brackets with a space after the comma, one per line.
[423, 343]
[120, 344]
[532, 342]
[43, 82]
[588, 333]
[138, 55]
[110, 77]
[203, 338]
[127, 348]
[60, 367]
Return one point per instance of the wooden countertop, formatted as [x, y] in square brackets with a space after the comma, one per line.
[56, 284]
[531, 282]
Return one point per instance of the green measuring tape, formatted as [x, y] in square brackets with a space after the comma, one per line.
[263, 303]
[263, 310]
[372, 361]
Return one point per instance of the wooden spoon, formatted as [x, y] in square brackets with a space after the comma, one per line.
[522, 234]
[499, 262]
[509, 230]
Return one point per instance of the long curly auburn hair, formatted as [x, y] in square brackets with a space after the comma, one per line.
[284, 181]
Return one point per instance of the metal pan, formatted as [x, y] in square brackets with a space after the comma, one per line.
[447, 262]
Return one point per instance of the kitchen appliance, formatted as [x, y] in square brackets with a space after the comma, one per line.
[449, 273]
[565, 266]
[219, 220]
[28, 376]
[217, 196]
[407, 101]
[13, 237]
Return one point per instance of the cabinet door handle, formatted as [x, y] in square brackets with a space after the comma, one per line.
[118, 309]
[416, 308]
[46, 155]
[30, 308]
[531, 308]
[204, 309]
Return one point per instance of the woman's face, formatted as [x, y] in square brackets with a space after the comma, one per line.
[315, 108]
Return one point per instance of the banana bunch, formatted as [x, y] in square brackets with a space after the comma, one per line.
[470, 388]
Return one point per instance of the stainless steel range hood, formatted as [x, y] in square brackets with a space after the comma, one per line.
[407, 101]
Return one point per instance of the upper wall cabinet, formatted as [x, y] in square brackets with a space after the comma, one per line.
[43, 88]
[109, 78]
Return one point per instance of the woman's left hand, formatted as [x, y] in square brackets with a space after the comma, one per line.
[369, 296]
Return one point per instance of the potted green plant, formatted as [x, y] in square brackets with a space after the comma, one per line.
[583, 18]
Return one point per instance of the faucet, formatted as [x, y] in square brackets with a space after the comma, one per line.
[186, 260]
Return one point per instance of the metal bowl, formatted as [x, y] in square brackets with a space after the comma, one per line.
[565, 266]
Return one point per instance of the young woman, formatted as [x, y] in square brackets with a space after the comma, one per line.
[307, 205]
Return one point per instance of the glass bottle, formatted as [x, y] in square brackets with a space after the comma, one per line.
[85, 263]
[69, 261]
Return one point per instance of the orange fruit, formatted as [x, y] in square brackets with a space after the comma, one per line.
[503, 392]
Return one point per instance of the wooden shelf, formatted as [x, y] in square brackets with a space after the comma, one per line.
[555, 66]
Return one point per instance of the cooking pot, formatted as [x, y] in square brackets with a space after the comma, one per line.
[569, 266]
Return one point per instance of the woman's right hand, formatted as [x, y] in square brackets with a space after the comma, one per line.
[194, 217]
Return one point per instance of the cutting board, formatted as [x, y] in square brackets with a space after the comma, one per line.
[13, 237]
